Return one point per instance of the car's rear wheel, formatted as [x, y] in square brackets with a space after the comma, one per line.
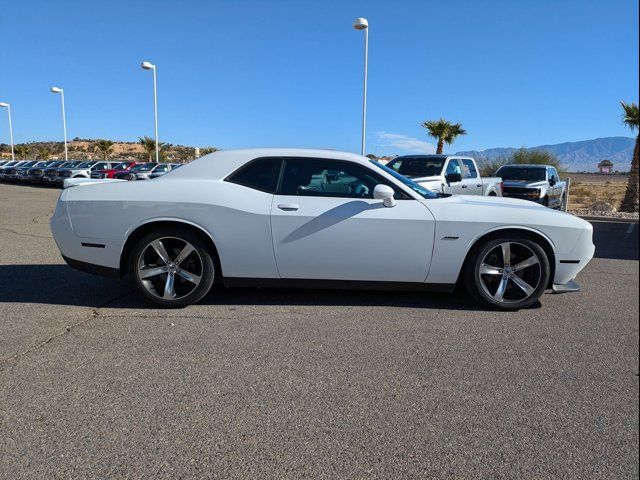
[172, 268]
[508, 273]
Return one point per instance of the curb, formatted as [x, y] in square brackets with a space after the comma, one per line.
[608, 219]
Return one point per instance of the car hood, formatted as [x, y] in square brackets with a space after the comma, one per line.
[523, 184]
[497, 202]
[425, 179]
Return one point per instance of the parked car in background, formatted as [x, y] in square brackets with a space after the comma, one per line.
[296, 217]
[160, 173]
[538, 183]
[82, 170]
[11, 173]
[50, 173]
[24, 174]
[110, 172]
[142, 171]
[447, 174]
[9, 164]
[35, 174]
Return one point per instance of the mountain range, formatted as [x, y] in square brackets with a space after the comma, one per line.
[582, 156]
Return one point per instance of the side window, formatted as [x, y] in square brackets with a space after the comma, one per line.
[555, 172]
[261, 174]
[329, 178]
[454, 167]
[549, 173]
[395, 164]
[469, 169]
[99, 166]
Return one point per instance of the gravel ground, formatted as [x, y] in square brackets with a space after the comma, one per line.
[298, 384]
[605, 215]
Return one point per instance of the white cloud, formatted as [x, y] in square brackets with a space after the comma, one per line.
[405, 143]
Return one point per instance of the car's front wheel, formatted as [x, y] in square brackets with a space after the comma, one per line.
[172, 268]
[508, 273]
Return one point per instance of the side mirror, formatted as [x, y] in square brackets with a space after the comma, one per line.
[552, 181]
[453, 177]
[384, 193]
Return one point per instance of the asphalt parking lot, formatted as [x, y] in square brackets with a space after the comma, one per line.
[290, 384]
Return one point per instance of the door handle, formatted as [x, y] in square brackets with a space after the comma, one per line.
[479, 185]
[288, 207]
[465, 186]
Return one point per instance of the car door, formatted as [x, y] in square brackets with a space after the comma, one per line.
[327, 226]
[553, 187]
[453, 166]
[471, 182]
[99, 166]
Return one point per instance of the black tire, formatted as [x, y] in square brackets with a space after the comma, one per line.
[207, 269]
[545, 201]
[474, 281]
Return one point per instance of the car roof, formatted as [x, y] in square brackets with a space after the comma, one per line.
[528, 165]
[220, 164]
[431, 157]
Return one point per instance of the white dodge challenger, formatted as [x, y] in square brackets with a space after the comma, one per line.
[314, 218]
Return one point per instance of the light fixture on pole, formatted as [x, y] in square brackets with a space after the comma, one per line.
[8, 107]
[151, 66]
[363, 24]
[64, 119]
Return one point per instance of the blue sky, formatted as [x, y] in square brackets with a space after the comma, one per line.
[289, 73]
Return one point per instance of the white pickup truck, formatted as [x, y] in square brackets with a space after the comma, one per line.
[447, 174]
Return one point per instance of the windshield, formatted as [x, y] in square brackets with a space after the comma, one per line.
[55, 164]
[70, 164]
[524, 174]
[28, 164]
[417, 166]
[121, 166]
[420, 190]
[144, 167]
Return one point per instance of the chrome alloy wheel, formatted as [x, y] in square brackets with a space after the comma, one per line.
[170, 268]
[510, 272]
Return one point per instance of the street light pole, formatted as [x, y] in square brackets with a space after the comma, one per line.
[150, 66]
[363, 24]
[8, 107]
[64, 120]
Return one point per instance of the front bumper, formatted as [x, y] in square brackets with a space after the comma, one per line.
[521, 196]
[568, 287]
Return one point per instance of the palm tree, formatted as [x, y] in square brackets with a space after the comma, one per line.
[103, 147]
[631, 118]
[149, 145]
[444, 131]
[21, 151]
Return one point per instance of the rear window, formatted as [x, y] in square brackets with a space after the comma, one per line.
[261, 174]
[410, 166]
